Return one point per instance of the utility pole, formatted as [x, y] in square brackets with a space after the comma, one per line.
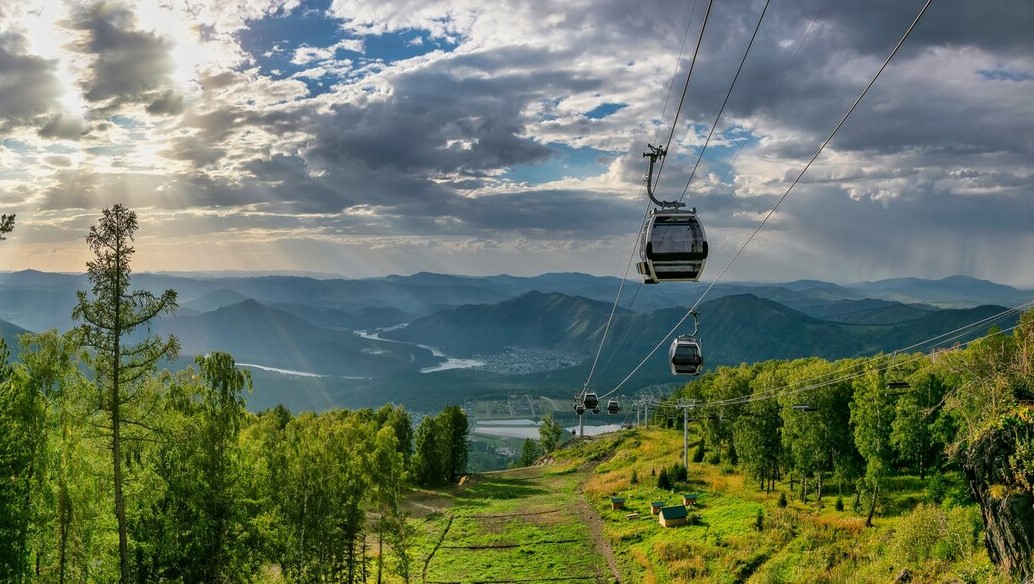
[685, 407]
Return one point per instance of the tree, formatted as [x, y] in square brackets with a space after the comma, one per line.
[109, 318]
[550, 433]
[21, 427]
[872, 414]
[453, 425]
[529, 453]
[428, 464]
[6, 225]
[201, 466]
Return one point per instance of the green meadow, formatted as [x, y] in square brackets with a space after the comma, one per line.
[553, 522]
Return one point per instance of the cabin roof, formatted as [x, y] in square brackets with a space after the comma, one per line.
[674, 512]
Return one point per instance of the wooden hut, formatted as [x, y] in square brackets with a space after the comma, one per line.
[672, 516]
[655, 507]
[617, 502]
[690, 499]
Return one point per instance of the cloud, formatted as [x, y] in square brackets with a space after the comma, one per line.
[476, 131]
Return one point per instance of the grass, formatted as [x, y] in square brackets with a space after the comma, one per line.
[510, 526]
[529, 524]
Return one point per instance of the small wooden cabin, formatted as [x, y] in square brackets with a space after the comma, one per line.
[672, 516]
[655, 507]
[690, 499]
[617, 502]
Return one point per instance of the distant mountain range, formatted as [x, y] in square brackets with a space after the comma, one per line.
[291, 325]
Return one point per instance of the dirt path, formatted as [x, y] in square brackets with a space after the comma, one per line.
[592, 520]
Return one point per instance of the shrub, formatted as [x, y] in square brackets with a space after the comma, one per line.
[759, 520]
[782, 500]
[634, 479]
[933, 532]
[839, 504]
[728, 469]
[936, 488]
[663, 480]
[698, 454]
[714, 458]
[678, 473]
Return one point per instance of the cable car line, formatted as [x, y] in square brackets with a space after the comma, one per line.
[685, 88]
[775, 90]
[674, 125]
[714, 126]
[772, 211]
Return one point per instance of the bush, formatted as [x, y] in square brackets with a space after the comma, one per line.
[759, 520]
[714, 458]
[678, 473]
[936, 488]
[663, 480]
[932, 532]
[634, 479]
[728, 469]
[698, 454]
[782, 500]
[839, 504]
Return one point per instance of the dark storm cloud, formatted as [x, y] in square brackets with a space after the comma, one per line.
[435, 108]
[28, 86]
[131, 65]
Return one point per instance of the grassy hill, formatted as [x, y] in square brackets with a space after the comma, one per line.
[530, 525]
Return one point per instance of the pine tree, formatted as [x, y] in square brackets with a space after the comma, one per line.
[109, 318]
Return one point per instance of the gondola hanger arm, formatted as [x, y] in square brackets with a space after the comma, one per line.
[655, 154]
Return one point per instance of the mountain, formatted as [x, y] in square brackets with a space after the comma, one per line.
[10, 334]
[954, 291]
[258, 334]
[540, 320]
[215, 299]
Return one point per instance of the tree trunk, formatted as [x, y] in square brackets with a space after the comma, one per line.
[120, 502]
[1008, 513]
[818, 493]
[872, 504]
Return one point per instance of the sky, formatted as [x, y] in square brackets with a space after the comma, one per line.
[363, 138]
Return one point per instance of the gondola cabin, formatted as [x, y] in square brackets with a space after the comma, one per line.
[591, 402]
[685, 356]
[672, 247]
[613, 407]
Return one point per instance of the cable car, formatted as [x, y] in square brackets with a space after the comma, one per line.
[898, 385]
[805, 408]
[613, 407]
[591, 402]
[579, 409]
[685, 356]
[672, 247]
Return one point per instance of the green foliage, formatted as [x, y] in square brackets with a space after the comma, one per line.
[21, 420]
[698, 454]
[664, 480]
[550, 433]
[759, 520]
[441, 448]
[782, 500]
[634, 479]
[530, 452]
[839, 505]
[930, 531]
